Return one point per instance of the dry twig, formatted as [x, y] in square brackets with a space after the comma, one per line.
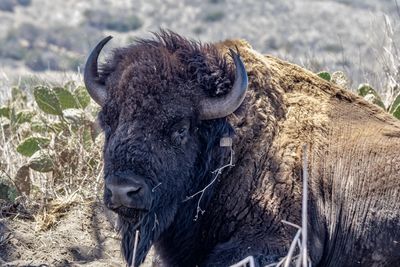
[217, 173]
[135, 248]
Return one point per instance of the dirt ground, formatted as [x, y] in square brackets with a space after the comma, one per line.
[84, 236]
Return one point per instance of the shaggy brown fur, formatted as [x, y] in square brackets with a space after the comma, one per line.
[354, 158]
[354, 164]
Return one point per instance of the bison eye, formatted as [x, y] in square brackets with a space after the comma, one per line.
[180, 133]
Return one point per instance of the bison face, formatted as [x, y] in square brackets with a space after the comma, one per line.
[146, 157]
[163, 119]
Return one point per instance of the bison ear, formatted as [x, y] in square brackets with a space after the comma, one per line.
[96, 89]
[219, 107]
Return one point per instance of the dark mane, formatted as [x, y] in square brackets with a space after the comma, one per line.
[177, 59]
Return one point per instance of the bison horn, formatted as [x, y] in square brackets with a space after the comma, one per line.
[213, 108]
[96, 89]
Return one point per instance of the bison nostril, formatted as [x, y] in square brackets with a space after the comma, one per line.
[108, 192]
[133, 191]
[124, 190]
[122, 195]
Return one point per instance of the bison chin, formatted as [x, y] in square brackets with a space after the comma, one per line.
[150, 225]
[133, 216]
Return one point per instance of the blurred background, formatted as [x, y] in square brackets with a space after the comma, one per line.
[50, 39]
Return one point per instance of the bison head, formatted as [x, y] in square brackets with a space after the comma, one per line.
[164, 103]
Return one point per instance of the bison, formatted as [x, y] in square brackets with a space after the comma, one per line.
[166, 104]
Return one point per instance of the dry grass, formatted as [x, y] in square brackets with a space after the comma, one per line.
[53, 212]
[386, 53]
[390, 60]
[71, 181]
[56, 214]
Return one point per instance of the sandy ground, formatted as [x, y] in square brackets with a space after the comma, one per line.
[85, 236]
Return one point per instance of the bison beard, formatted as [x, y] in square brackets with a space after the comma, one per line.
[167, 102]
